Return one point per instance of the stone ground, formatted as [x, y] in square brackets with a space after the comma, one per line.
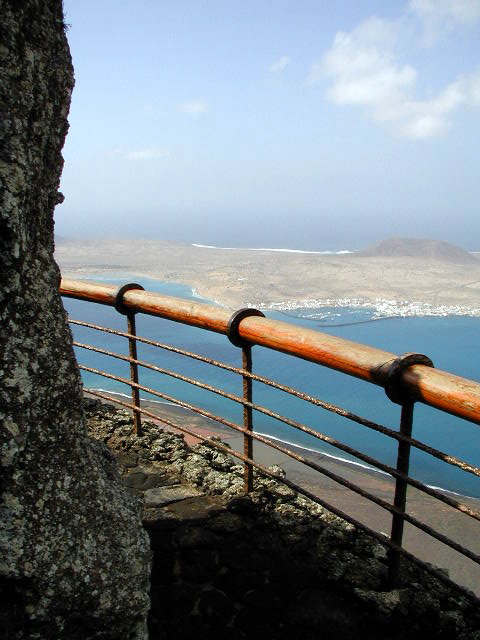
[270, 564]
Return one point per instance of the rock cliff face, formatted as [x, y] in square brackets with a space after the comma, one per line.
[73, 556]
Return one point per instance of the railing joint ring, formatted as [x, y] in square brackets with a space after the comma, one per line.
[234, 322]
[394, 389]
[119, 305]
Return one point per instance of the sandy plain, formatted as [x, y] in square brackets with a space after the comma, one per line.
[240, 277]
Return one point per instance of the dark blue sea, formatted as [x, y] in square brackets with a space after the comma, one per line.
[452, 342]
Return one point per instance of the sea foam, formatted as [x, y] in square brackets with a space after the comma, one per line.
[211, 246]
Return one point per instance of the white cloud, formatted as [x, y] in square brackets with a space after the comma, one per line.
[440, 16]
[365, 71]
[280, 65]
[194, 107]
[149, 153]
[462, 12]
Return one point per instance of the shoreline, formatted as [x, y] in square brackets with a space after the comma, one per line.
[383, 309]
[282, 250]
[213, 428]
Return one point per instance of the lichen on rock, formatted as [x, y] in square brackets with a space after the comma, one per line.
[74, 557]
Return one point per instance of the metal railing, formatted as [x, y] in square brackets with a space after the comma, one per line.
[406, 379]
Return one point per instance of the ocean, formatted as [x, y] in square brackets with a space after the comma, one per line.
[451, 341]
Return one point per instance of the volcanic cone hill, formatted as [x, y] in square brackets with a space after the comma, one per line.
[419, 248]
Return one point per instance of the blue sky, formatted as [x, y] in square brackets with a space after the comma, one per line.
[273, 123]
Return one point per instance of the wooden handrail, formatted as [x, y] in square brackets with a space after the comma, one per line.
[445, 391]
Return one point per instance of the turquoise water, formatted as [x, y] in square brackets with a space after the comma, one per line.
[451, 342]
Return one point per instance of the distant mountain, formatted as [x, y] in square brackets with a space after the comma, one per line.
[419, 248]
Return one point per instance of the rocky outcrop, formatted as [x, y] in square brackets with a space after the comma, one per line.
[270, 565]
[74, 560]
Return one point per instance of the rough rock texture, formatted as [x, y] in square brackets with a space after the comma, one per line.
[73, 556]
[271, 565]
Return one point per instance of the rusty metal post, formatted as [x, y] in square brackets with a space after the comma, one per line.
[397, 393]
[400, 498]
[132, 348]
[247, 418]
[233, 335]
